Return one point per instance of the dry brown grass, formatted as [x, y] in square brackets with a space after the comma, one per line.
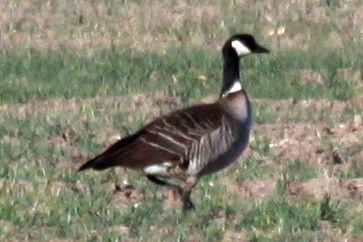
[148, 26]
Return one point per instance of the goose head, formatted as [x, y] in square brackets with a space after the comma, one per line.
[241, 45]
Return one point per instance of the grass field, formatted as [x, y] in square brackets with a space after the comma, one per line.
[76, 75]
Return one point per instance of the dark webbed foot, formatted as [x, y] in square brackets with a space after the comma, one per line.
[187, 202]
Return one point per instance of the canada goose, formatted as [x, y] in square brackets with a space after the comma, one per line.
[194, 141]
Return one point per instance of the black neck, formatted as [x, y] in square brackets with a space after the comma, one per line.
[230, 72]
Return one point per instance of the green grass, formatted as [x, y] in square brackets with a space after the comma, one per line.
[41, 185]
[64, 73]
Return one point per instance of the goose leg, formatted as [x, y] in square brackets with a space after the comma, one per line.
[187, 202]
[159, 182]
[184, 193]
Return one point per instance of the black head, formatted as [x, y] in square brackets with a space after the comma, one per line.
[242, 45]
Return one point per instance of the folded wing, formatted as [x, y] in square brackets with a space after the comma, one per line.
[189, 137]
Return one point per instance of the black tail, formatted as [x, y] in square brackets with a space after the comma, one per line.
[98, 163]
[107, 159]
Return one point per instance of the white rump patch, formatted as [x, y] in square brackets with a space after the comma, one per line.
[240, 48]
[157, 170]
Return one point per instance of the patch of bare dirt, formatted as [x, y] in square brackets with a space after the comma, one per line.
[260, 189]
[335, 187]
[170, 197]
[9, 184]
[32, 234]
[6, 227]
[264, 188]
[65, 165]
[195, 238]
[312, 111]
[64, 142]
[329, 230]
[120, 229]
[79, 187]
[315, 143]
[312, 77]
[353, 77]
[9, 139]
[141, 102]
[357, 238]
[56, 187]
[234, 236]
[124, 195]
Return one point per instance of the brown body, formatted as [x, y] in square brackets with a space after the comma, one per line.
[189, 140]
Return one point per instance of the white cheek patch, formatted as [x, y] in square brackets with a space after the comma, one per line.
[240, 48]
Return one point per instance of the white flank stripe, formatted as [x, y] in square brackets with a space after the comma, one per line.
[209, 122]
[176, 131]
[159, 146]
[165, 136]
[199, 127]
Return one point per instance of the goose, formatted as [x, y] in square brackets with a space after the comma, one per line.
[194, 141]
